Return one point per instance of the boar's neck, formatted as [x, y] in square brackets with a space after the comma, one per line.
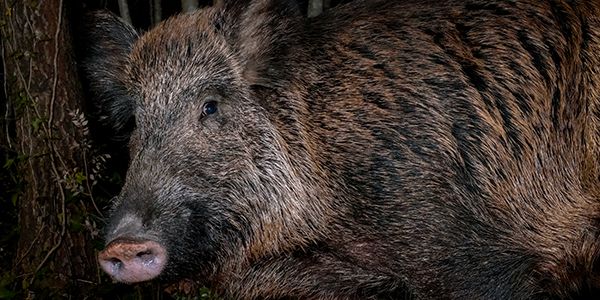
[321, 118]
[365, 120]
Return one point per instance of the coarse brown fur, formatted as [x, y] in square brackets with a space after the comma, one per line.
[385, 149]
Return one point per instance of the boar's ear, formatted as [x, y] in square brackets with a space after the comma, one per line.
[264, 29]
[108, 44]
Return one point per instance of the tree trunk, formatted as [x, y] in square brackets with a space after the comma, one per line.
[54, 256]
[155, 12]
[124, 11]
[315, 8]
[189, 5]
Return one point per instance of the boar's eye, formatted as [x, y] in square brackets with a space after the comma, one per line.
[209, 108]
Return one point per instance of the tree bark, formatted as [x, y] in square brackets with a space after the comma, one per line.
[189, 5]
[315, 8]
[54, 256]
[124, 11]
[155, 12]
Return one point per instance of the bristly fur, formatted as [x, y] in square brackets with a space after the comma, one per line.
[385, 149]
[104, 60]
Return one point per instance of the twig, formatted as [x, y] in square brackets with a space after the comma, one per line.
[5, 86]
[37, 235]
[26, 86]
[85, 281]
[55, 65]
[87, 183]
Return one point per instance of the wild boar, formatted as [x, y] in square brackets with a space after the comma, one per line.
[384, 149]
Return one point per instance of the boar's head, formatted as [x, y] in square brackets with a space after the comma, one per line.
[210, 184]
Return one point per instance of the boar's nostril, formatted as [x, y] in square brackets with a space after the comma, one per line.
[133, 261]
[147, 257]
[116, 262]
[144, 254]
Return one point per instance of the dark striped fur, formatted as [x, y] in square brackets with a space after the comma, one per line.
[385, 149]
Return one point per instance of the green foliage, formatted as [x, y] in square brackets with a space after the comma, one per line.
[35, 123]
[20, 103]
[207, 294]
[202, 293]
[76, 223]
[12, 182]
[11, 188]
[6, 281]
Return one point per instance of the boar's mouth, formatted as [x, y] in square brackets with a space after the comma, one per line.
[130, 261]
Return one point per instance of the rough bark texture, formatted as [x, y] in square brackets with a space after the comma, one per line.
[44, 95]
[189, 5]
[155, 11]
[315, 8]
[124, 10]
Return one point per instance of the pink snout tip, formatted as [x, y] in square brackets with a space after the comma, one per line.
[133, 261]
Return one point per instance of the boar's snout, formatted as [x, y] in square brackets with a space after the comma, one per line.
[132, 260]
